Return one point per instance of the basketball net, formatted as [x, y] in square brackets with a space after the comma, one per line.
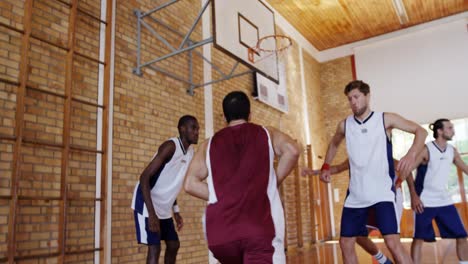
[268, 46]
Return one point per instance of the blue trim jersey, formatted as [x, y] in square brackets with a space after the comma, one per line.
[432, 178]
[371, 168]
[166, 184]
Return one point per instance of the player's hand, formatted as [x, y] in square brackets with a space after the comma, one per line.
[406, 164]
[153, 222]
[325, 175]
[416, 204]
[179, 221]
[309, 172]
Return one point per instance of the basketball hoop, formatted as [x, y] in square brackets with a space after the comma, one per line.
[269, 45]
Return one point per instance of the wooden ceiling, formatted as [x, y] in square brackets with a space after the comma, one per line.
[332, 23]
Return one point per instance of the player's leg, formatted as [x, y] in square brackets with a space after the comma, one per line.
[423, 231]
[416, 247]
[387, 223]
[172, 247]
[367, 244]
[450, 226]
[370, 247]
[169, 235]
[353, 224]
[145, 236]
[153, 254]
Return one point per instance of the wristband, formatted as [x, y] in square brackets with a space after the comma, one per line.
[175, 209]
[325, 166]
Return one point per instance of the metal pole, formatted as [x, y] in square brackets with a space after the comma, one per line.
[194, 24]
[224, 79]
[234, 68]
[190, 41]
[137, 70]
[158, 8]
[169, 74]
[190, 91]
[201, 43]
[163, 40]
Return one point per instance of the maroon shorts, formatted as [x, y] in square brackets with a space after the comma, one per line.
[246, 251]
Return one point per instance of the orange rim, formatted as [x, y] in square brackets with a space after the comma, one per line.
[258, 48]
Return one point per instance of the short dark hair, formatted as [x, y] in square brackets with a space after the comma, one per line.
[438, 124]
[184, 120]
[357, 84]
[236, 105]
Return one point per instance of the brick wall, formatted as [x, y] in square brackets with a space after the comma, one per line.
[146, 112]
[334, 75]
[315, 108]
[40, 204]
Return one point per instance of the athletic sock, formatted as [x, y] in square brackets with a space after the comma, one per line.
[381, 258]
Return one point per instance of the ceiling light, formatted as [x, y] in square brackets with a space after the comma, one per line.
[400, 11]
[305, 4]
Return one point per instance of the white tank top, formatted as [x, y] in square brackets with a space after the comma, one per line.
[433, 192]
[168, 183]
[371, 170]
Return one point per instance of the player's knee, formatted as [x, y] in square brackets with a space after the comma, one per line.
[346, 243]
[172, 246]
[153, 251]
[392, 244]
[462, 241]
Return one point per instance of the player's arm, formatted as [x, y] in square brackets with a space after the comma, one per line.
[165, 153]
[333, 169]
[340, 167]
[335, 142]
[416, 203]
[178, 218]
[287, 151]
[406, 163]
[458, 161]
[196, 174]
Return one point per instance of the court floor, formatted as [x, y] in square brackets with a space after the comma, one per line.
[439, 252]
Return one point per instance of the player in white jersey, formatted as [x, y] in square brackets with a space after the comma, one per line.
[435, 163]
[365, 242]
[369, 149]
[155, 194]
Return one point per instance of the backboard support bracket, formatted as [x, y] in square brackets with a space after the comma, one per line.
[186, 45]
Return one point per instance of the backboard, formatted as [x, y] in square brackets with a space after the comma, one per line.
[238, 25]
[271, 93]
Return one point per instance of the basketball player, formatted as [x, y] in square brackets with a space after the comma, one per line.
[156, 192]
[435, 163]
[365, 242]
[372, 173]
[244, 217]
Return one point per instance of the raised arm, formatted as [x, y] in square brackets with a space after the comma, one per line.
[165, 153]
[287, 150]
[197, 173]
[407, 163]
[331, 151]
[458, 161]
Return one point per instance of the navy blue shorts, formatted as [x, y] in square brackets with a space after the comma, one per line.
[145, 236]
[447, 219]
[354, 220]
